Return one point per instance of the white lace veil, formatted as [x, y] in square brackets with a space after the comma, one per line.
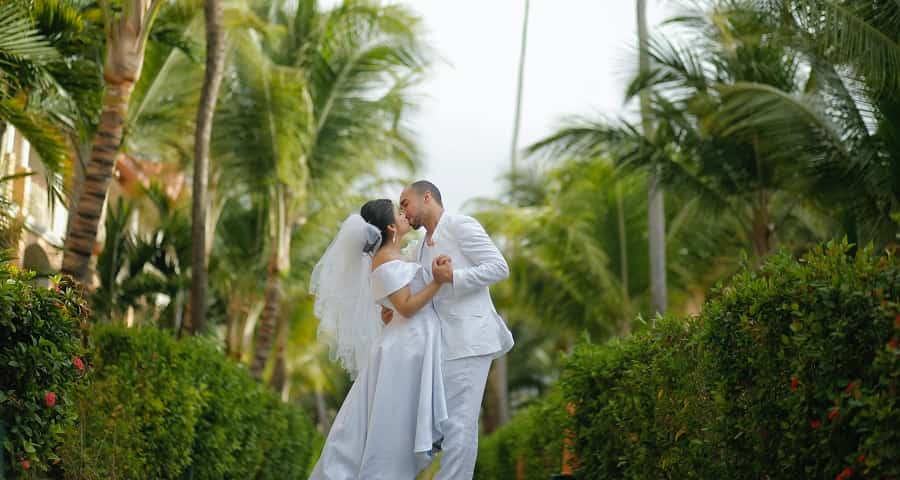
[349, 318]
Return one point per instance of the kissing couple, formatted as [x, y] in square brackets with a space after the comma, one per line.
[417, 335]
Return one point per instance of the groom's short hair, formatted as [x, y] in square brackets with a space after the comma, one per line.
[423, 186]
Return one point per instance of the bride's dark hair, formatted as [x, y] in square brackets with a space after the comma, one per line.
[379, 213]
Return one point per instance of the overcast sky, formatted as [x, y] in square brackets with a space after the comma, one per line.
[578, 61]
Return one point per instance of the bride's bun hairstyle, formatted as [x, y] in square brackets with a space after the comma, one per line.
[379, 213]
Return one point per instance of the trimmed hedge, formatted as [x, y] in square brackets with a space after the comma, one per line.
[40, 364]
[806, 364]
[791, 371]
[534, 438]
[161, 408]
[643, 406]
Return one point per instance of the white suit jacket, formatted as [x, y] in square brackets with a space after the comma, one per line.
[470, 325]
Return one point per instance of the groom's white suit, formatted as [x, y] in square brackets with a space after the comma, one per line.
[472, 331]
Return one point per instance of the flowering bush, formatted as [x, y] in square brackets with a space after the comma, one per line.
[791, 371]
[40, 364]
[805, 369]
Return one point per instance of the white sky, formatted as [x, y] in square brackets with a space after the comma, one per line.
[579, 60]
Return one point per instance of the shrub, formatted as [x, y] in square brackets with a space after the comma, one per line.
[641, 405]
[790, 372]
[534, 437]
[807, 367]
[40, 363]
[160, 408]
[137, 419]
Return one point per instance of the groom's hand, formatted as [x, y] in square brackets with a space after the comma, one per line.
[442, 269]
[386, 315]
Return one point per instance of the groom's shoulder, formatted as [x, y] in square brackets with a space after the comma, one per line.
[457, 219]
[460, 223]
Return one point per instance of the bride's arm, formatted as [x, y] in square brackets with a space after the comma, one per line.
[407, 303]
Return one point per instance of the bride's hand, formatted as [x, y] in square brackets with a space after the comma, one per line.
[442, 269]
[386, 315]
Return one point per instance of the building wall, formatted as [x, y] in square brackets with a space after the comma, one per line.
[44, 217]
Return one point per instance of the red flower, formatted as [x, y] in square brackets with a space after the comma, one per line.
[861, 458]
[25, 464]
[794, 383]
[897, 321]
[79, 364]
[815, 424]
[892, 344]
[845, 474]
[851, 386]
[50, 399]
[833, 413]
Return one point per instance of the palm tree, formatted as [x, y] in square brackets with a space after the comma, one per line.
[701, 146]
[849, 118]
[312, 104]
[137, 268]
[128, 26]
[656, 210]
[215, 53]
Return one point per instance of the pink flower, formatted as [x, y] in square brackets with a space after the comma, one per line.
[79, 364]
[794, 383]
[815, 424]
[25, 464]
[833, 413]
[50, 399]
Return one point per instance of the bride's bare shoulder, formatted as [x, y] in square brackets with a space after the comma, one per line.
[384, 256]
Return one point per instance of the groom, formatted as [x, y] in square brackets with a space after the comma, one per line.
[473, 333]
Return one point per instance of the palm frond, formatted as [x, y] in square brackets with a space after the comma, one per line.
[856, 33]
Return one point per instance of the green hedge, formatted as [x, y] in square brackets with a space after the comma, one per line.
[160, 408]
[643, 406]
[791, 371]
[534, 437]
[40, 364]
[807, 366]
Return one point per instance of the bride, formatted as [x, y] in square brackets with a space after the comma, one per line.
[389, 425]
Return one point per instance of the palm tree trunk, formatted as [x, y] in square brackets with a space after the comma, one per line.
[268, 321]
[322, 412]
[496, 400]
[761, 237]
[496, 411]
[125, 42]
[215, 53]
[623, 262]
[656, 208]
[514, 148]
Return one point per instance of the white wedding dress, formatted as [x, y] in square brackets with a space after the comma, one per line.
[391, 419]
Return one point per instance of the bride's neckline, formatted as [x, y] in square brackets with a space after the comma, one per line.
[387, 262]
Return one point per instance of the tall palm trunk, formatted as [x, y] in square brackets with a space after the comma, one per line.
[126, 40]
[215, 53]
[265, 335]
[496, 398]
[278, 265]
[761, 235]
[623, 262]
[497, 410]
[656, 209]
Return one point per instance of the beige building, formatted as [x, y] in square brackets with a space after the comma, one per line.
[43, 218]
